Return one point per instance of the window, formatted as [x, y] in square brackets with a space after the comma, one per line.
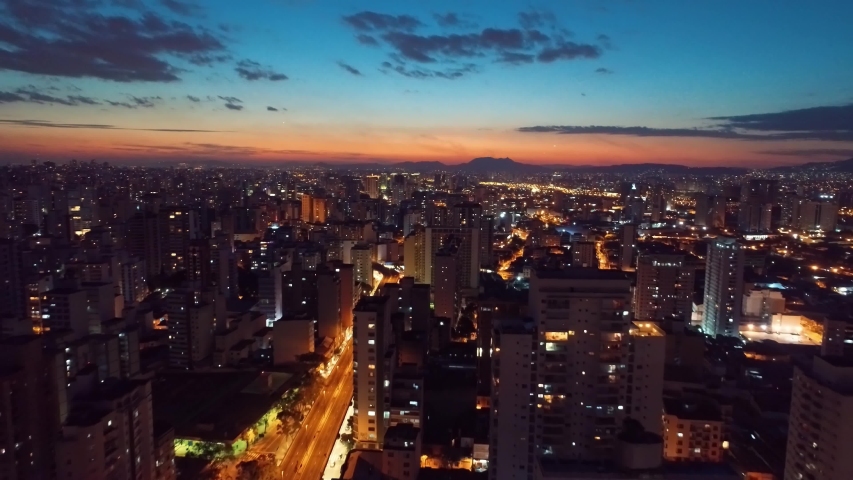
[558, 336]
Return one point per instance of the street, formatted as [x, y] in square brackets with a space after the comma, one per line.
[306, 458]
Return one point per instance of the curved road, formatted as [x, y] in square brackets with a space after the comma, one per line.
[306, 458]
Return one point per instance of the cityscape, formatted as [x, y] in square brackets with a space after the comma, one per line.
[311, 241]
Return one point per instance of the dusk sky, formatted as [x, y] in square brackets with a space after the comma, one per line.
[748, 83]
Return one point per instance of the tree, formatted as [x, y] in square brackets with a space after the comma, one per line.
[348, 439]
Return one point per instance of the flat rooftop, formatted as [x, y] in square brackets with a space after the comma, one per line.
[215, 406]
[558, 470]
[783, 338]
[575, 273]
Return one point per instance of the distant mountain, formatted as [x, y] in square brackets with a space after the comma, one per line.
[421, 166]
[663, 168]
[500, 165]
[483, 165]
[841, 166]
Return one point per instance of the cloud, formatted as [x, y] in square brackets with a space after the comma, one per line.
[193, 99]
[568, 51]
[367, 40]
[539, 38]
[181, 8]
[450, 20]
[367, 21]
[350, 69]
[424, 73]
[80, 99]
[251, 70]
[536, 19]
[232, 103]
[825, 123]
[32, 94]
[71, 38]
[9, 97]
[604, 40]
[272, 109]
[826, 119]
[146, 102]
[48, 124]
[516, 58]
[604, 71]
[136, 102]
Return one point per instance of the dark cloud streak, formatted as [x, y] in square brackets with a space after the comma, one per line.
[47, 124]
[350, 69]
[251, 70]
[371, 22]
[825, 123]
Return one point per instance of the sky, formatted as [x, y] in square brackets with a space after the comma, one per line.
[749, 83]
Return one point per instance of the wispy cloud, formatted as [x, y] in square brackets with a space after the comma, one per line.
[350, 69]
[48, 124]
[251, 70]
[827, 123]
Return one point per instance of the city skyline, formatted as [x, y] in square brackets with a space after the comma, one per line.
[575, 83]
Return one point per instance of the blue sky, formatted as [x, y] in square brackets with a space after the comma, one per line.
[438, 80]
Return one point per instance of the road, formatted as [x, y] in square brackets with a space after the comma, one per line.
[306, 458]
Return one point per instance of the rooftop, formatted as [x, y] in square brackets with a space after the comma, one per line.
[213, 405]
[581, 274]
[692, 408]
[566, 470]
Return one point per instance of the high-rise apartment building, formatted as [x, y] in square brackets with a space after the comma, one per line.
[664, 286]
[144, 241]
[362, 261]
[401, 453]
[13, 299]
[314, 208]
[372, 337]
[371, 185]
[710, 211]
[755, 217]
[328, 304]
[627, 247]
[191, 325]
[594, 365]
[178, 226]
[109, 433]
[758, 198]
[32, 386]
[133, 286]
[815, 216]
[270, 293]
[66, 308]
[723, 287]
[445, 285]
[693, 430]
[468, 253]
[511, 436]
[584, 255]
[414, 256]
[821, 421]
